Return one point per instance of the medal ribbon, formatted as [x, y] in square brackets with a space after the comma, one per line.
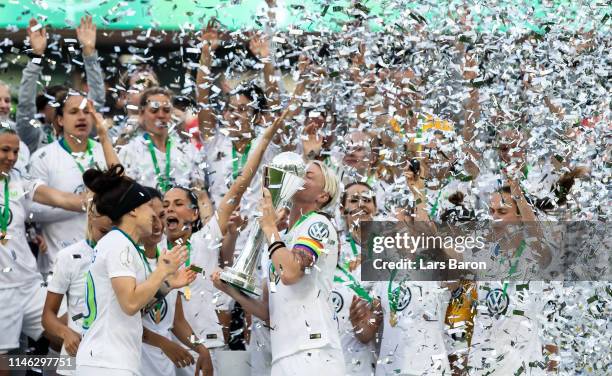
[238, 166]
[352, 283]
[391, 294]
[188, 262]
[164, 181]
[4, 217]
[90, 145]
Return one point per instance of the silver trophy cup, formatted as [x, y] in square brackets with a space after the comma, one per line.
[283, 178]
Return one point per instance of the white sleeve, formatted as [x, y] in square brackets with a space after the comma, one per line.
[39, 170]
[210, 233]
[319, 236]
[121, 261]
[198, 163]
[30, 186]
[62, 274]
[125, 156]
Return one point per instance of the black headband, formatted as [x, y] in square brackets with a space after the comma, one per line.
[135, 196]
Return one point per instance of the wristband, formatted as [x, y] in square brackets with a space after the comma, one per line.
[164, 290]
[274, 247]
[36, 58]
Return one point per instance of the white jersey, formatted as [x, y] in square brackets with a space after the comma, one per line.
[185, 167]
[415, 345]
[17, 263]
[358, 357]
[112, 338]
[220, 167]
[200, 310]
[301, 315]
[24, 157]
[69, 279]
[160, 320]
[59, 169]
[507, 329]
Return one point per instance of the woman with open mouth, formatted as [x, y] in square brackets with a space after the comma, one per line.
[119, 282]
[61, 165]
[165, 318]
[201, 306]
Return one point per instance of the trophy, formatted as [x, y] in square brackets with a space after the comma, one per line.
[283, 178]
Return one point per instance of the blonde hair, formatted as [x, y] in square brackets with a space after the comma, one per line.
[331, 186]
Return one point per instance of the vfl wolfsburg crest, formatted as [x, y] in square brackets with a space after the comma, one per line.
[10, 215]
[497, 302]
[337, 301]
[162, 309]
[318, 231]
[404, 295]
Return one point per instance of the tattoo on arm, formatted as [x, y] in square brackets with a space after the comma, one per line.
[303, 258]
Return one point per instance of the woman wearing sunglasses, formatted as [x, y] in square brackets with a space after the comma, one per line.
[156, 155]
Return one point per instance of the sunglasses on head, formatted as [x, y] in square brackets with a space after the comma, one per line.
[155, 106]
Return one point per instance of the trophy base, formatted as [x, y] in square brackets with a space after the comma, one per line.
[241, 281]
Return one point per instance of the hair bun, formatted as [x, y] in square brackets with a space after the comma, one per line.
[101, 181]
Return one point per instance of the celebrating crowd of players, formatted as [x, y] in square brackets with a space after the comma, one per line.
[119, 210]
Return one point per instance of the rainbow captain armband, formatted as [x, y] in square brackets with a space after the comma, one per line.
[309, 245]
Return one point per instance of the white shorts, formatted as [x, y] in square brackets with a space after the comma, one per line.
[324, 361]
[154, 362]
[259, 349]
[102, 371]
[21, 313]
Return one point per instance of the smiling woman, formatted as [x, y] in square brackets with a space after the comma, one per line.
[20, 281]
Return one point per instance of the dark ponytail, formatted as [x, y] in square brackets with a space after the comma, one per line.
[110, 190]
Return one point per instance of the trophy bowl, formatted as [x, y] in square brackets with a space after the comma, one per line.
[283, 178]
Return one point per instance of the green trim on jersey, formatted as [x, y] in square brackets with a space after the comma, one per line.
[90, 300]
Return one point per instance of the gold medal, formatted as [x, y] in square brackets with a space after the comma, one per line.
[393, 318]
[187, 293]
[3, 238]
[157, 316]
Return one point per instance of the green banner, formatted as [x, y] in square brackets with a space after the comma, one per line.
[309, 15]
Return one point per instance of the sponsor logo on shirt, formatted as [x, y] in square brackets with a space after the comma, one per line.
[162, 308]
[404, 296]
[337, 301]
[126, 257]
[497, 302]
[318, 231]
[10, 216]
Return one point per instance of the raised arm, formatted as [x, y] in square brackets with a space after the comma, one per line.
[110, 155]
[206, 116]
[86, 34]
[232, 198]
[26, 108]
